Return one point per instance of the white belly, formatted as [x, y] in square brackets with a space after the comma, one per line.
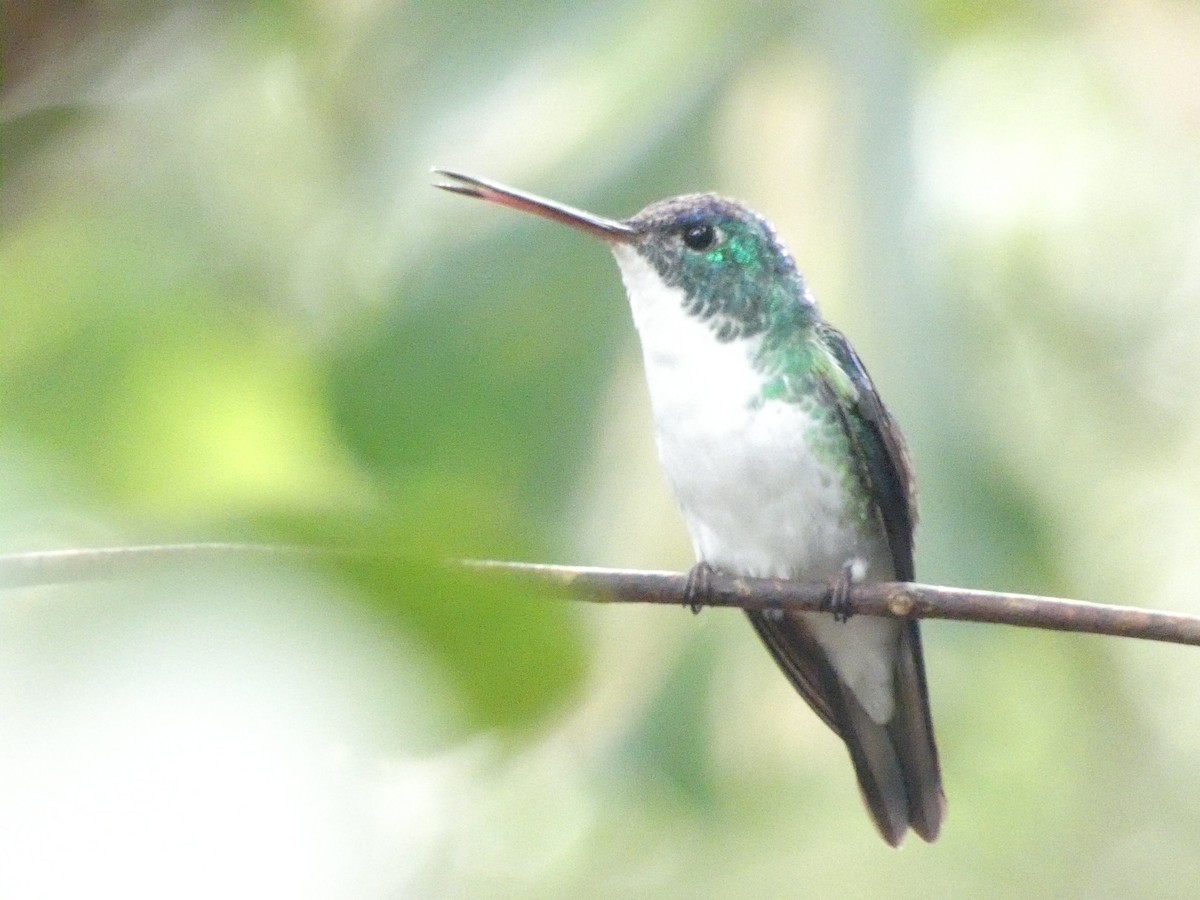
[755, 498]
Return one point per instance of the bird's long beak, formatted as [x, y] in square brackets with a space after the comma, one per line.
[471, 186]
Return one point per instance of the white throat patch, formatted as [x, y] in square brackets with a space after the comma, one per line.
[685, 363]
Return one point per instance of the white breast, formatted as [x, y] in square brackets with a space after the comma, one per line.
[755, 498]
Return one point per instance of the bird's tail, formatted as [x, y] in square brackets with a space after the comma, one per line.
[896, 762]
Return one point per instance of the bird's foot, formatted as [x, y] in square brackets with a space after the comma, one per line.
[698, 590]
[839, 602]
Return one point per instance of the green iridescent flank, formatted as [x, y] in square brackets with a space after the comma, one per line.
[800, 368]
[809, 378]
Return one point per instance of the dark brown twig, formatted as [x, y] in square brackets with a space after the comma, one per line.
[901, 600]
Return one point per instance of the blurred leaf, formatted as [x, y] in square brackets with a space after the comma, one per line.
[157, 397]
[511, 652]
[490, 372]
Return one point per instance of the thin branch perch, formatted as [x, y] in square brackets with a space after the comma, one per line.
[47, 567]
[896, 599]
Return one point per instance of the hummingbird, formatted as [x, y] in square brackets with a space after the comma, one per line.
[784, 463]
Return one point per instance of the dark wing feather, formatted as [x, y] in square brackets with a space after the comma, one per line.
[896, 763]
[802, 661]
[887, 470]
[880, 778]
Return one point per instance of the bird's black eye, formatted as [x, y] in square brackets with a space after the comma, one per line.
[700, 236]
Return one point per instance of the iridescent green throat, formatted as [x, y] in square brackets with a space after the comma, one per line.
[744, 285]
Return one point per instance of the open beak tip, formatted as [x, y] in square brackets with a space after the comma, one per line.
[608, 230]
[465, 190]
[457, 182]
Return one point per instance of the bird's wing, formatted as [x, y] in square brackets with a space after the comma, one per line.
[896, 762]
[879, 447]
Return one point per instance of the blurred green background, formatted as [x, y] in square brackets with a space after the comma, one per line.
[231, 307]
